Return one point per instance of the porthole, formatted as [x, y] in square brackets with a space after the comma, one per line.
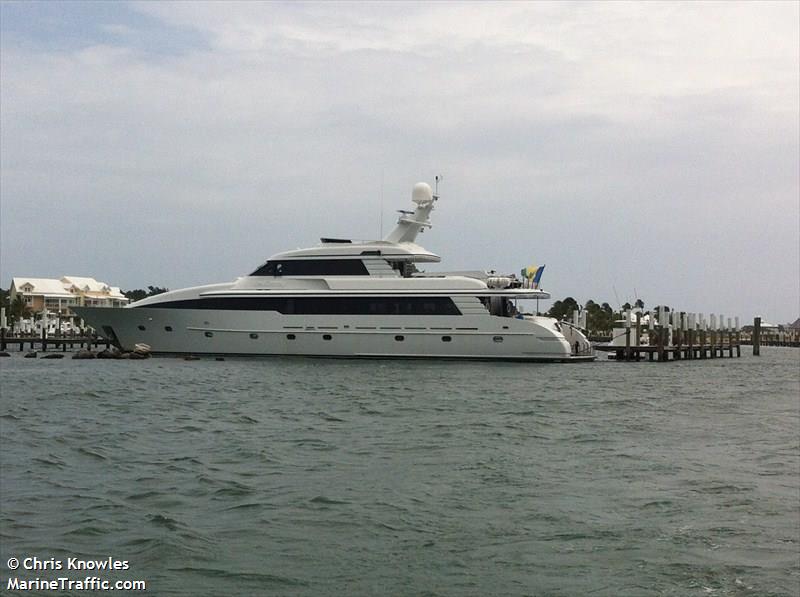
[446, 339]
[209, 334]
[167, 328]
[399, 338]
[254, 336]
[497, 338]
[141, 327]
[290, 336]
[327, 337]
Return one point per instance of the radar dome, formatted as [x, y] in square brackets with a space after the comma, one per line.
[422, 193]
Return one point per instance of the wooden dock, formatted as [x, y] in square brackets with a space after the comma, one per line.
[691, 339]
[672, 353]
[43, 342]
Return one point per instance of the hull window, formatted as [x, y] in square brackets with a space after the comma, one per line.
[254, 336]
[141, 328]
[327, 337]
[290, 336]
[167, 328]
[447, 339]
[334, 305]
[399, 338]
[497, 338]
[209, 334]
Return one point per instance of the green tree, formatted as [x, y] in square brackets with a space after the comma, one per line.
[594, 316]
[608, 317]
[5, 301]
[135, 295]
[139, 294]
[563, 309]
[18, 310]
[599, 318]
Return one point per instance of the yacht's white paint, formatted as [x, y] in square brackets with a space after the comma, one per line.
[484, 329]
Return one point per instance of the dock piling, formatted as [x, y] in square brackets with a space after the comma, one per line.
[757, 337]
[674, 335]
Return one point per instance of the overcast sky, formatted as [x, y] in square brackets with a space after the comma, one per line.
[642, 149]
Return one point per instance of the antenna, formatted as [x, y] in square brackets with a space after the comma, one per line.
[436, 180]
[380, 235]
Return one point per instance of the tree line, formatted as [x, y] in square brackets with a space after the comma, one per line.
[139, 294]
[599, 317]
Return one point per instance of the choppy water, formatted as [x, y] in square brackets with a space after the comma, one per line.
[338, 477]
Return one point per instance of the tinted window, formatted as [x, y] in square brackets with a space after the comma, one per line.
[339, 305]
[313, 267]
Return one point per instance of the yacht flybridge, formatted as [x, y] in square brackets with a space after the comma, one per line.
[346, 298]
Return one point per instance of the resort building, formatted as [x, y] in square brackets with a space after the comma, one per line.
[58, 296]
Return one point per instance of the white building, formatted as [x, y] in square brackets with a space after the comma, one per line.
[58, 296]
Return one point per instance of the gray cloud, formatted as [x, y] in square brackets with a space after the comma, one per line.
[651, 146]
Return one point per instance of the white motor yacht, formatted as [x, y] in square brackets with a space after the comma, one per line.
[346, 298]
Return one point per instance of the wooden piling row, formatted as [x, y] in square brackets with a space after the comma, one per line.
[43, 342]
[693, 338]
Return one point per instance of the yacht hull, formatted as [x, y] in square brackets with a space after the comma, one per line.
[265, 333]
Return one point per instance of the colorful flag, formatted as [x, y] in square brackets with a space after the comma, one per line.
[537, 277]
[530, 273]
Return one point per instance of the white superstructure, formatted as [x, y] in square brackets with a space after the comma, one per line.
[348, 299]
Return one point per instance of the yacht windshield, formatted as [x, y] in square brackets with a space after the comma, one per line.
[313, 267]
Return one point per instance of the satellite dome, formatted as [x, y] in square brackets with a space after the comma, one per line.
[422, 193]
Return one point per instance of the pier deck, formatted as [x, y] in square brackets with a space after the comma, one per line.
[54, 343]
[670, 353]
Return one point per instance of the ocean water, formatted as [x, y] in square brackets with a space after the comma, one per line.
[291, 476]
